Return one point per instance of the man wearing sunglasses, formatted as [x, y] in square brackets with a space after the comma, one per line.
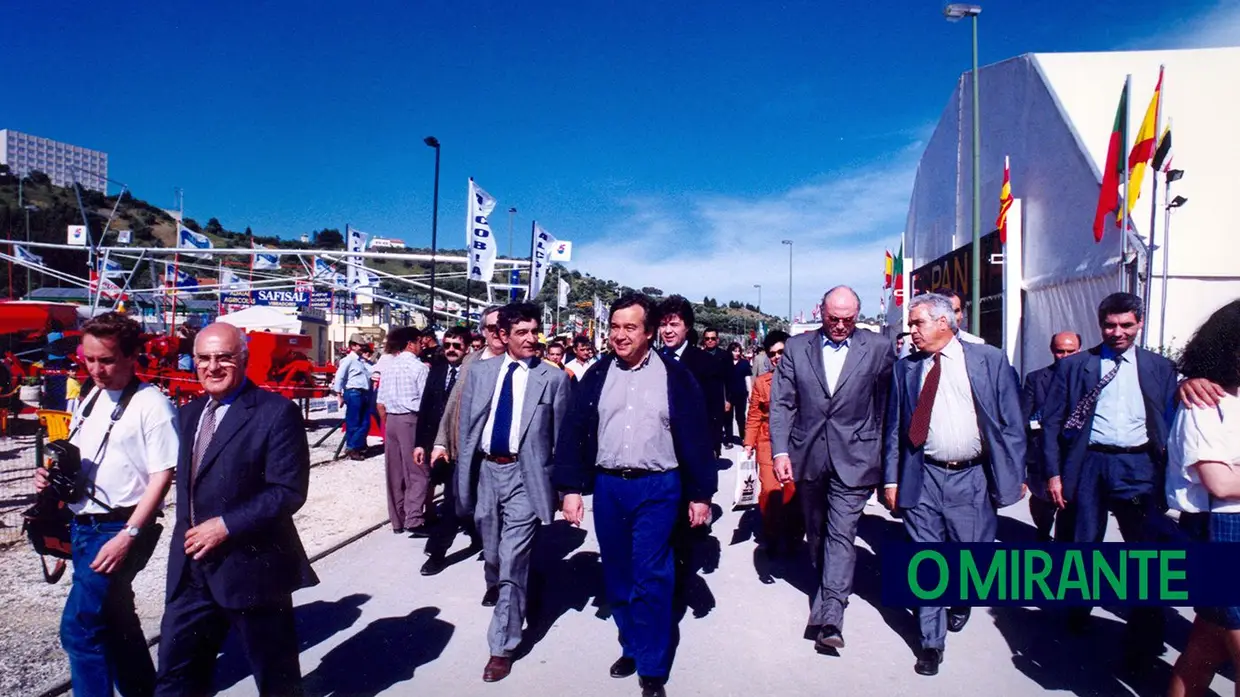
[827, 410]
[443, 378]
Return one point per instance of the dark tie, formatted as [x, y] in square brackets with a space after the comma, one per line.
[503, 415]
[451, 378]
[206, 431]
[1085, 407]
[919, 427]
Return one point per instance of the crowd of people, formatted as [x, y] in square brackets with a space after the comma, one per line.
[934, 424]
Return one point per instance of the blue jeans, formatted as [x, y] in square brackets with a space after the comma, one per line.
[634, 520]
[99, 628]
[356, 418]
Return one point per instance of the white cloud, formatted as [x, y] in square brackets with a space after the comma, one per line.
[720, 246]
[1217, 27]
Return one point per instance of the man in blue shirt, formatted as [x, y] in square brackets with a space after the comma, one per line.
[1105, 425]
[352, 386]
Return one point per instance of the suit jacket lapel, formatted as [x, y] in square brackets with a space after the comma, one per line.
[238, 415]
[979, 381]
[815, 361]
[534, 386]
[857, 349]
[912, 383]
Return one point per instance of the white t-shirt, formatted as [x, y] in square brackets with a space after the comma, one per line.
[1202, 435]
[144, 441]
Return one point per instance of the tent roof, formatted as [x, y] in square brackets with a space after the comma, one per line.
[261, 317]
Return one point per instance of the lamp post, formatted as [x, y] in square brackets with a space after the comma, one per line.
[955, 12]
[789, 243]
[21, 203]
[433, 142]
[513, 275]
[759, 287]
[1172, 203]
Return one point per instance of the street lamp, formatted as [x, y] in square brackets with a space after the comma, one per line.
[759, 287]
[955, 12]
[433, 142]
[1172, 204]
[21, 203]
[789, 243]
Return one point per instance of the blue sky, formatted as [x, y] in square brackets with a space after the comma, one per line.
[675, 143]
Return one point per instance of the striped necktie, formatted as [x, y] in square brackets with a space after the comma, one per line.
[1084, 408]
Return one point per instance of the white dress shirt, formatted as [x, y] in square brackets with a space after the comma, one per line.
[954, 435]
[969, 338]
[833, 356]
[519, 378]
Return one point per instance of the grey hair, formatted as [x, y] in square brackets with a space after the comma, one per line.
[937, 306]
[850, 290]
[486, 311]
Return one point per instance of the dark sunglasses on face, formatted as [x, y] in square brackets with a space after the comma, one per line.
[775, 353]
[453, 345]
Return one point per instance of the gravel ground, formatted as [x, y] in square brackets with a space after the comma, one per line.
[345, 498]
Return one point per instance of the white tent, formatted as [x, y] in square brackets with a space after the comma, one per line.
[1052, 115]
[263, 318]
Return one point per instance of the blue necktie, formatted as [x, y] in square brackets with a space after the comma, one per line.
[503, 416]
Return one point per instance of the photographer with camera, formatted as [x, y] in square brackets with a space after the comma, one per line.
[112, 473]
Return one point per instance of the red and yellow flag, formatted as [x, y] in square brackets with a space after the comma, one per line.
[887, 267]
[1143, 147]
[1005, 201]
[1112, 171]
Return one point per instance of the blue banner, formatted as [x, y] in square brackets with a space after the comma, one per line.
[319, 299]
[1060, 574]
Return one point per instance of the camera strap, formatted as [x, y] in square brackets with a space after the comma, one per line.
[119, 410]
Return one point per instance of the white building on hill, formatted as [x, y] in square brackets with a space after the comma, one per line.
[61, 162]
[386, 243]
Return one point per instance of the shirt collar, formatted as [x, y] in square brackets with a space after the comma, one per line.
[644, 362]
[232, 396]
[524, 362]
[826, 341]
[680, 352]
[953, 350]
[1110, 353]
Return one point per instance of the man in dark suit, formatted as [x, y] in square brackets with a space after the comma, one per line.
[236, 558]
[1033, 403]
[954, 447]
[443, 377]
[1106, 421]
[675, 329]
[637, 436]
[829, 399]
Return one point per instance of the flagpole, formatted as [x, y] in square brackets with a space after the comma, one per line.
[1149, 250]
[558, 305]
[176, 261]
[529, 294]
[1123, 206]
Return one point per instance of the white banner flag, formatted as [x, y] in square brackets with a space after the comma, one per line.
[562, 250]
[478, 237]
[544, 242]
[562, 298]
[230, 281]
[26, 255]
[356, 241]
[77, 235]
[188, 239]
[266, 262]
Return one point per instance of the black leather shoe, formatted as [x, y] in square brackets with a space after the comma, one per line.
[491, 597]
[652, 687]
[928, 662]
[433, 566]
[828, 638]
[421, 532]
[958, 618]
[623, 667]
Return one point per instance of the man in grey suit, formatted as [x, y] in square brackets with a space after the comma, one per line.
[828, 400]
[954, 447]
[511, 409]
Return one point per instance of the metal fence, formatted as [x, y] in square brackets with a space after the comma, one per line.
[17, 463]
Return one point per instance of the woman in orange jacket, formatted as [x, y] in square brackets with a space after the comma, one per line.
[779, 514]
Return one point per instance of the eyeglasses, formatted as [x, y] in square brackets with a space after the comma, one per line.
[490, 327]
[839, 320]
[780, 352]
[453, 345]
[204, 359]
[710, 338]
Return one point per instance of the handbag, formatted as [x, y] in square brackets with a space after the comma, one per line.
[746, 489]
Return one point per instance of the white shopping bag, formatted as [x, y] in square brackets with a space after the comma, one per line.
[747, 487]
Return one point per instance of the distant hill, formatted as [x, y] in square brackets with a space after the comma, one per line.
[56, 207]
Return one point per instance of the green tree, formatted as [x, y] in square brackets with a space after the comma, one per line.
[328, 238]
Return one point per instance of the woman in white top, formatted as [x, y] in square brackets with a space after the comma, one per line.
[1203, 483]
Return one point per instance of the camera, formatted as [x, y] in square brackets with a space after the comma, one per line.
[64, 471]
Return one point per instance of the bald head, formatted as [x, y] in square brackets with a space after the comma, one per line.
[840, 307]
[220, 357]
[1065, 344]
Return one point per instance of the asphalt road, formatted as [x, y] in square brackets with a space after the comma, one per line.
[375, 626]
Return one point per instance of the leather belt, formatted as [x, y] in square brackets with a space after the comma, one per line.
[1119, 449]
[627, 472]
[954, 464]
[500, 459]
[116, 515]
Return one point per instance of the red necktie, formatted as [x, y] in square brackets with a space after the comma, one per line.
[919, 427]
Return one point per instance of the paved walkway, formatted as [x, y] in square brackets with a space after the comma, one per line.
[375, 626]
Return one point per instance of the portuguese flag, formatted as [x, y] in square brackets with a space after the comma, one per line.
[1108, 200]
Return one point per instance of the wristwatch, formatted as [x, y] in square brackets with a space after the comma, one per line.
[131, 530]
